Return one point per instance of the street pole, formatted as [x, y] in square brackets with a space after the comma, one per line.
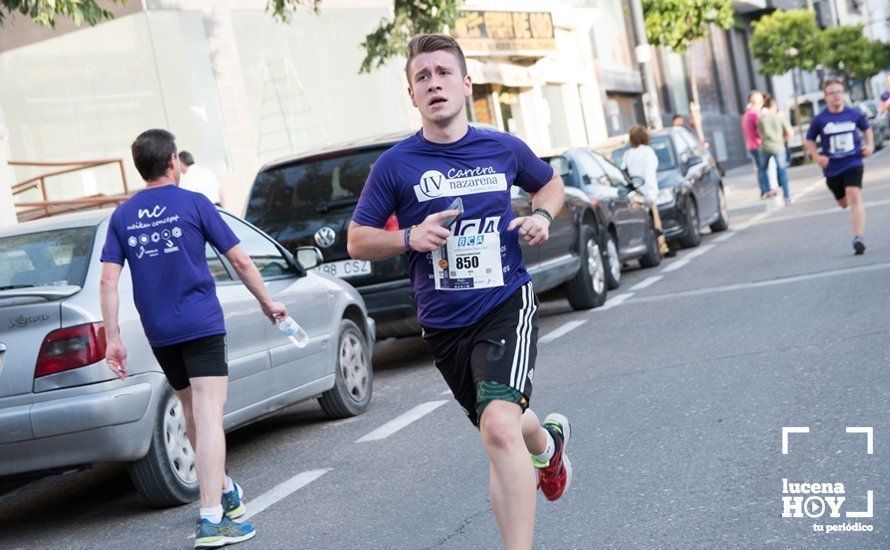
[644, 57]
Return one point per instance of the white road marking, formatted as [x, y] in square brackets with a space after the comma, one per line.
[827, 211]
[401, 421]
[561, 331]
[687, 258]
[725, 237]
[760, 284]
[646, 282]
[279, 492]
[446, 392]
[614, 302]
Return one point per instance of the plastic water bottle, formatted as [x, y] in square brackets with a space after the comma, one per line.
[294, 332]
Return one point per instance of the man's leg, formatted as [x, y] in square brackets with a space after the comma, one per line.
[208, 399]
[857, 210]
[782, 174]
[185, 397]
[533, 433]
[762, 177]
[512, 483]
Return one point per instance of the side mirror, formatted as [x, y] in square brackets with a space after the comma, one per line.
[693, 160]
[636, 182]
[586, 178]
[309, 257]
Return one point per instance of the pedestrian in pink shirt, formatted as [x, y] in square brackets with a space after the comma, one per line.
[752, 141]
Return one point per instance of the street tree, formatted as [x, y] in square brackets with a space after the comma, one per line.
[390, 38]
[678, 24]
[786, 41]
[44, 12]
[848, 52]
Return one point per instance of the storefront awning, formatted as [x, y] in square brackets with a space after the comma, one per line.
[505, 74]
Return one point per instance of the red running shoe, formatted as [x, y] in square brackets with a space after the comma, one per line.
[555, 478]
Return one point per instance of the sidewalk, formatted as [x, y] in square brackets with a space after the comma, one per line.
[743, 193]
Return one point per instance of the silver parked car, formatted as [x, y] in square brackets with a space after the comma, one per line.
[60, 404]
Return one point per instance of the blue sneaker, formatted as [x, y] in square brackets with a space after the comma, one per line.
[232, 504]
[214, 535]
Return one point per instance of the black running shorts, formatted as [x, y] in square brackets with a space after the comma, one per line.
[849, 178]
[199, 357]
[492, 359]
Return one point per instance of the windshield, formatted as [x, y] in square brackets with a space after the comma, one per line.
[49, 258]
[307, 189]
[662, 147]
[806, 111]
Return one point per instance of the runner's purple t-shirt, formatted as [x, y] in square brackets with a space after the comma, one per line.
[162, 233]
[841, 142]
[416, 178]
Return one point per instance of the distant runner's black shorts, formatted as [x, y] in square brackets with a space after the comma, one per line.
[492, 359]
[204, 356]
[849, 178]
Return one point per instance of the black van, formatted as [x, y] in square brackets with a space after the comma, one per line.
[308, 200]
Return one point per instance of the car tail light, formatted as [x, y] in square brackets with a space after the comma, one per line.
[392, 224]
[71, 348]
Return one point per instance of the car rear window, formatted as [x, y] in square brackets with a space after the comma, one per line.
[47, 258]
[305, 189]
[662, 149]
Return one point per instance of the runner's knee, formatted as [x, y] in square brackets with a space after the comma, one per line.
[500, 425]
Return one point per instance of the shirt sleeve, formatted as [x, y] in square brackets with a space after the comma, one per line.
[862, 122]
[113, 252]
[215, 229]
[378, 199]
[532, 173]
[815, 129]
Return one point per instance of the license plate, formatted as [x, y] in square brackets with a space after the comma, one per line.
[347, 268]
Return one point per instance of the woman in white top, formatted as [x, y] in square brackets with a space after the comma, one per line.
[641, 160]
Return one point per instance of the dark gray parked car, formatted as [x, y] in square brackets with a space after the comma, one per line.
[690, 191]
[60, 405]
[623, 217]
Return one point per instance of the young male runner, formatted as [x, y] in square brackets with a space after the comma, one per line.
[839, 125]
[162, 233]
[474, 296]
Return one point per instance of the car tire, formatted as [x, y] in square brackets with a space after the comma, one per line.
[166, 476]
[587, 289]
[652, 257]
[691, 236]
[613, 261]
[353, 375]
[722, 223]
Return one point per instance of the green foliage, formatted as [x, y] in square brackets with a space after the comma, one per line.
[390, 38]
[847, 51]
[44, 12]
[785, 40]
[676, 24]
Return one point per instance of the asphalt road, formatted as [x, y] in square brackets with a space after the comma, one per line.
[677, 390]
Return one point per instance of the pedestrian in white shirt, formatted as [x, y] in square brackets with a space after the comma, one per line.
[199, 179]
[641, 161]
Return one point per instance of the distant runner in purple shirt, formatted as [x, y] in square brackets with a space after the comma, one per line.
[839, 127]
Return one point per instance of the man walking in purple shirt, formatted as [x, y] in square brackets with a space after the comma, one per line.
[162, 232]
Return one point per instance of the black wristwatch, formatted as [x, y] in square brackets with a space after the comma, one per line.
[543, 213]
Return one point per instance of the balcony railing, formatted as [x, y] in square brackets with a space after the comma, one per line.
[32, 210]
